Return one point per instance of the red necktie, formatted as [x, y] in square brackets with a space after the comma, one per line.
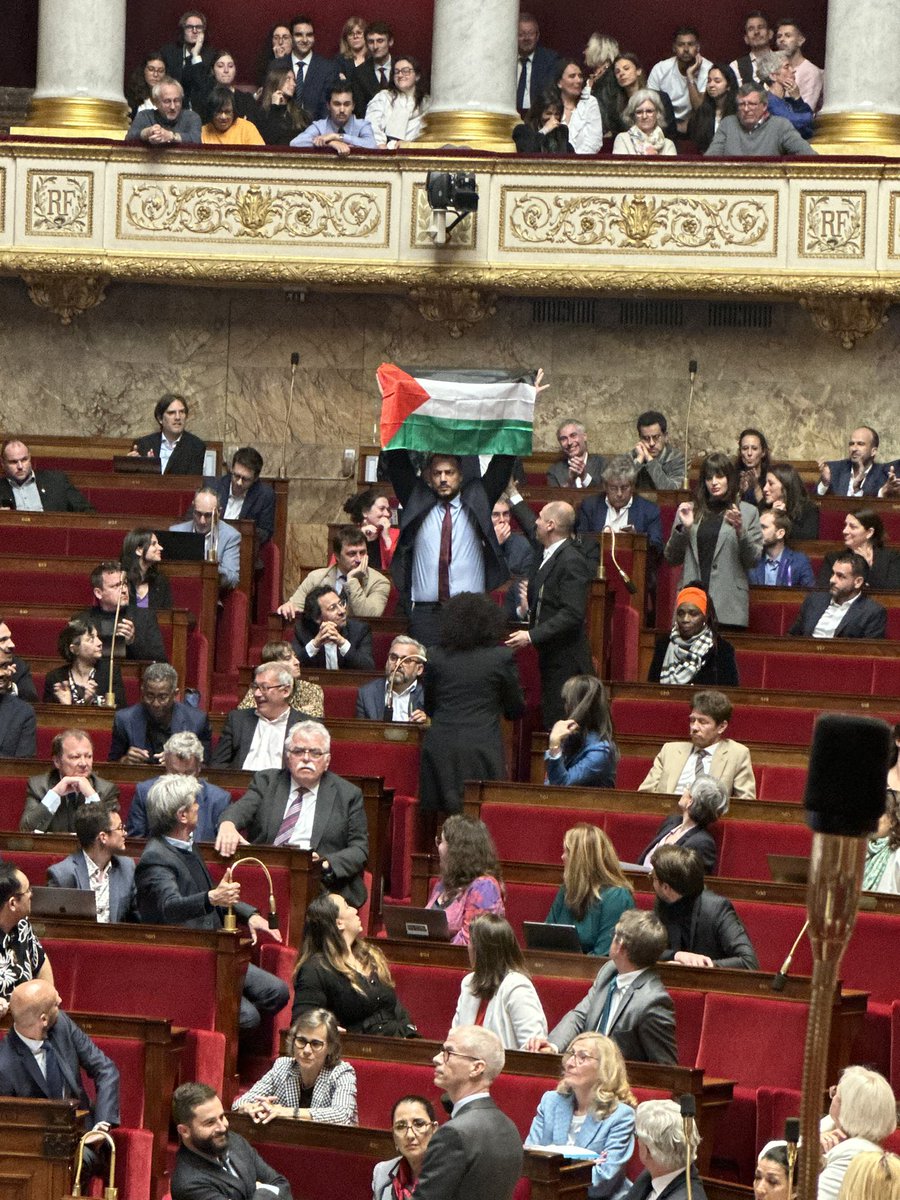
[446, 554]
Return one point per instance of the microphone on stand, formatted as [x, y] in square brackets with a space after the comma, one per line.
[792, 1137]
[282, 470]
[213, 552]
[630, 587]
[780, 979]
[389, 695]
[692, 373]
[110, 692]
[688, 1105]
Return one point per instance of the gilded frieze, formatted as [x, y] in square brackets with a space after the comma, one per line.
[59, 204]
[832, 225]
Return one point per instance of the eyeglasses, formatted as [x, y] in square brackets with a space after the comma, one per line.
[194, 28]
[115, 828]
[315, 1044]
[580, 1057]
[306, 752]
[417, 1125]
[266, 687]
[404, 71]
[447, 1052]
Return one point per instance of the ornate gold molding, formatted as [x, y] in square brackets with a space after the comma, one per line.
[75, 117]
[468, 130]
[848, 318]
[66, 295]
[858, 133]
[457, 308]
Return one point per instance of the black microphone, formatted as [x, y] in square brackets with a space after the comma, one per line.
[688, 1105]
[692, 369]
[692, 374]
[792, 1131]
[295, 362]
[780, 979]
[848, 761]
[295, 359]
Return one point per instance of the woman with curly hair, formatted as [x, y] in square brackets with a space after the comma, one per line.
[371, 511]
[470, 882]
[592, 1107]
[594, 892]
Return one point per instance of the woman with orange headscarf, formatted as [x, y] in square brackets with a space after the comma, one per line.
[693, 652]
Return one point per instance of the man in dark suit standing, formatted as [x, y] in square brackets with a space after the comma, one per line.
[376, 72]
[659, 1128]
[557, 599]
[842, 612]
[858, 474]
[400, 695]
[138, 634]
[189, 58]
[314, 74]
[306, 806]
[28, 490]
[212, 1163]
[478, 1152]
[253, 738]
[140, 732]
[326, 637]
[537, 64]
[53, 799]
[244, 497]
[177, 451]
[101, 865]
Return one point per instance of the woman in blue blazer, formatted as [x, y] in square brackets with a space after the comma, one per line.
[581, 751]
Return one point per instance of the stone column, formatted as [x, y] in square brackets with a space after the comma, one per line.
[473, 75]
[80, 66]
[861, 113]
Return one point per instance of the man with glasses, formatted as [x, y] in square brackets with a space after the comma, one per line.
[659, 465]
[754, 132]
[400, 696]
[141, 731]
[253, 738]
[168, 122]
[101, 864]
[243, 496]
[221, 540]
[137, 634]
[308, 807]
[188, 59]
[22, 956]
[478, 1152]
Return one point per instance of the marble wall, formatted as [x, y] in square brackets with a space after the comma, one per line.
[229, 352]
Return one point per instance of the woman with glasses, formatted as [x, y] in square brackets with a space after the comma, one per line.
[395, 113]
[592, 1107]
[83, 679]
[312, 1083]
[498, 993]
[142, 80]
[412, 1122]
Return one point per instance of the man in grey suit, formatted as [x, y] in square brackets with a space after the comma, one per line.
[221, 538]
[101, 865]
[400, 696]
[308, 807]
[478, 1152]
[576, 468]
[253, 738]
[52, 799]
[627, 1000]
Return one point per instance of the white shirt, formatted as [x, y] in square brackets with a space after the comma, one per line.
[302, 832]
[26, 497]
[99, 881]
[267, 748]
[485, 1095]
[617, 521]
[233, 507]
[550, 550]
[331, 652]
[401, 702]
[689, 770]
[854, 486]
[661, 1182]
[832, 617]
[666, 77]
[623, 984]
[166, 450]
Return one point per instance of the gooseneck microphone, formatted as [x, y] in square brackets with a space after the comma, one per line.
[780, 979]
[688, 1105]
[692, 373]
[630, 587]
[282, 470]
[792, 1137]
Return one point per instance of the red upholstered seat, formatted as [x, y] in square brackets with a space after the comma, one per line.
[430, 994]
[818, 673]
[781, 784]
[381, 645]
[559, 995]
[772, 929]
[34, 863]
[525, 834]
[778, 727]
[871, 963]
[746, 845]
[631, 770]
[316, 1173]
[340, 700]
[268, 584]
[766, 617]
[379, 1084]
[689, 1008]
[101, 738]
[626, 628]
[528, 902]
[231, 631]
[751, 666]
[396, 762]
[630, 832]
[402, 835]
[667, 718]
[886, 676]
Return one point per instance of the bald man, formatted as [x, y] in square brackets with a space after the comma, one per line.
[555, 602]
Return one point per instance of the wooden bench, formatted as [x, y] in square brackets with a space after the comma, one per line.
[63, 453]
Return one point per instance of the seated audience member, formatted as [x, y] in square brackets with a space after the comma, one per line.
[863, 1115]
[371, 511]
[220, 77]
[137, 632]
[168, 122]
[581, 751]
[177, 451]
[600, 53]
[593, 1108]
[413, 1123]
[498, 993]
[659, 465]
[754, 132]
[307, 806]
[182, 755]
[640, 1018]
[753, 462]
[205, 1141]
[719, 101]
[400, 695]
[594, 891]
[222, 542]
[364, 589]
[27, 490]
[352, 48]
[581, 112]
[147, 585]
[683, 76]
[141, 731]
[678, 764]
[780, 566]
[470, 882]
[543, 131]
[576, 468]
[619, 508]
[783, 93]
[789, 38]
[21, 954]
[843, 611]
[223, 127]
[702, 928]
[693, 652]
[340, 130]
[718, 539]
[703, 802]
[770, 1179]
[373, 75]
[872, 1175]
[253, 739]
[340, 971]
[311, 1083]
[783, 491]
[83, 678]
[630, 77]
[305, 697]
[326, 637]
[882, 869]
[643, 136]
[277, 44]
[395, 113]
[314, 74]
[864, 535]
[52, 799]
[187, 59]
[101, 864]
[893, 775]
[663, 1144]
[22, 681]
[858, 474]
[280, 118]
[757, 34]
[141, 81]
[174, 887]
[243, 496]
[18, 724]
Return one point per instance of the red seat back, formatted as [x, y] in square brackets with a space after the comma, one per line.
[753, 1040]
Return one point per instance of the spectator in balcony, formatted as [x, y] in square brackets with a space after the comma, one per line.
[168, 122]
[683, 76]
[498, 993]
[222, 542]
[543, 131]
[83, 679]
[631, 77]
[100, 865]
[27, 490]
[843, 611]
[858, 474]
[305, 697]
[782, 92]
[52, 799]
[581, 751]
[371, 511]
[783, 491]
[340, 130]
[790, 38]
[413, 1123]
[758, 39]
[862, 1116]
[659, 465]
[693, 652]
[141, 556]
[325, 636]
[780, 566]
[352, 48]
[594, 892]
[863, 533]
[182, 755]
[222, 74]
[137, 633]
[277, 44]
[188, 58]
[704, 800]
[395, 112]
[314, 75]
[142, 81]
[753, 462]
[140, 732]
[243, 496]
[755, 132]
[537, 66]
[600, 53]
[882, 869]
[177, 451]
[644, 137]
[719, 100]
[708, 752]
[280, 118]
[375, 72]
[224, 127]
[581, 112]
[470, 882]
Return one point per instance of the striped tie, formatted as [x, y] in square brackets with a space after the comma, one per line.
[290, 818]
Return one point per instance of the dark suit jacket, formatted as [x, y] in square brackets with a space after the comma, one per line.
[340, 833]
[707, 926]
[167, 880]
[794, 570]
[358, 658]
[883, 573]
[212, 800]
[866, 618]
[677, 1189]
[318, 78]
[558, 472]
[130, 728]
[187, 457]
[544, 66]
[644, 1025]
[18, 728]
[58, 494]
[148, 640]
[21, 1076]
[38, 818]
[25, 688]
[191, 76]
[697, 839]
[258, 506]
[643, 516]
[234, 741]
[365, 84]
[370, 699]
[72, 872]
[840, 478]
[196, 1178]
[476, 1154]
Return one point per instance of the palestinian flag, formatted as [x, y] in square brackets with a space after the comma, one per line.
[456, 412]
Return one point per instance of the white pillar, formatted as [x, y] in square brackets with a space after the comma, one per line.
[80, 66]
[473, 74]
[861, 111]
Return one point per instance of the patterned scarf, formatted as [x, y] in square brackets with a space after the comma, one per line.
[878, 852]
[684, 657]
[641, 141]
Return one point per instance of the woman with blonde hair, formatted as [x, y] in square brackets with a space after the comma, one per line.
[352, 49]
[873, 1175]
[498, 993]
[863, 1114]
[595, 892]
[592, 1107]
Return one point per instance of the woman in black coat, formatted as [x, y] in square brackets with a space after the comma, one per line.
[693, 653]
[703, 802]
[864, 535]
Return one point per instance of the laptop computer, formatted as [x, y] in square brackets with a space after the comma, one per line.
[541, 936]
[181, 547]
[404, 921]
[64, 902]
